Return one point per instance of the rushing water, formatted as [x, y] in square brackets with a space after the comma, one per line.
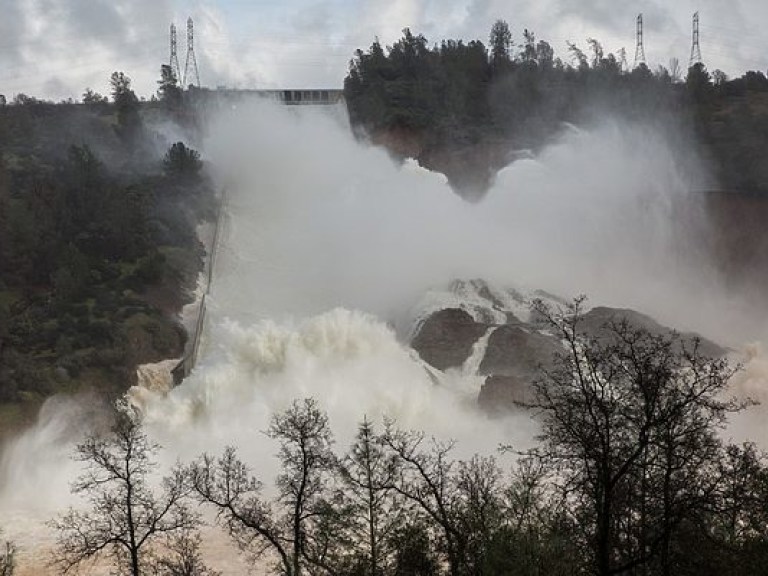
[327, 251]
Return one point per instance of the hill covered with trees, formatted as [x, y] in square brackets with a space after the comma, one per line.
[465, 108]
[98, 247]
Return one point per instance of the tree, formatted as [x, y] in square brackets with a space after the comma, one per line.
[597, 52]
[426, 480]
[227, 485]
[91, 97]
[127, 105]
[500, 42]
[545, 54]
[8, 559]
[367, 474]
[306, 457]
[578, 56]
[294, 527]
[698, 82]
[121, 88]
[168, 91]
[182, 162]
[629, 422]
[126, 519]
[528, 52]
[182, 557]
[719, 77]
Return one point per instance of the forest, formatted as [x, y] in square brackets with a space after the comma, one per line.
[98, 244]
[460, 108]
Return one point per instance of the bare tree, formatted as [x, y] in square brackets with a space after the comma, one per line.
[479, 509]
[8, 559]
[426, 479]
[299, 527]
[182, 556]
[126, 519]
[629, 424]
[227, 484]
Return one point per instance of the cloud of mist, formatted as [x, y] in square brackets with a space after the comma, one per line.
[605, 211]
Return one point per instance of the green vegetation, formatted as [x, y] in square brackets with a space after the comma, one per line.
[461, 108]
[97, 244]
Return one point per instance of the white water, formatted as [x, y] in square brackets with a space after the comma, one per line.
[328, 251]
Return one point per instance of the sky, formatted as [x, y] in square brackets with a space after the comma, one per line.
[54, 49]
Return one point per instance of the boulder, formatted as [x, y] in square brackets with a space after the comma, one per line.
[445, 339]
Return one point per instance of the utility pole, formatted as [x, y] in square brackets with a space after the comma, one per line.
[191, 56]
[639, 47]
[695, 47]
[174, 60]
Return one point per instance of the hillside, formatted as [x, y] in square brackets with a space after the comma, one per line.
[98, 249]
[467, 110]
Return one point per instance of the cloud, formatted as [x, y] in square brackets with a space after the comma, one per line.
[56, 48]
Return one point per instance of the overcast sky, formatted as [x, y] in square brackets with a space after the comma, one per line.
[56, 48]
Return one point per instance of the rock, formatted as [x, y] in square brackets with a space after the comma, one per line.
[445, 339]
[595, 323]
[500, 394]
[518, 350]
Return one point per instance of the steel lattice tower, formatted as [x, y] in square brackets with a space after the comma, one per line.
[191, 56]
[174, 60]
[639, 47]
[695, 47]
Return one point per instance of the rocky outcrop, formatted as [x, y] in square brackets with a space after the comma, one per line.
[512, 360]
[446, 338]
[500, 394]
[517, 350]
[598, 321]
[518, 345]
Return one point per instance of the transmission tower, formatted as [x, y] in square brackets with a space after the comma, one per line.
[695, 48]
[174, 61]
[191, 56]
[639, 48]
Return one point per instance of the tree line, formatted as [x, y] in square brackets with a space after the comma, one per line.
[454, 94]
[630, 475]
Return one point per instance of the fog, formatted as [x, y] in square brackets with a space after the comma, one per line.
[605, 211]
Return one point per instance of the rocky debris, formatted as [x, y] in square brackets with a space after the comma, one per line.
[445, 339]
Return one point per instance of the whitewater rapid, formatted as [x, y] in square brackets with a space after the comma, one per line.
[329, 252]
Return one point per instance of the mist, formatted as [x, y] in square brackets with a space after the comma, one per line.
[605, 211]
[329, 248]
